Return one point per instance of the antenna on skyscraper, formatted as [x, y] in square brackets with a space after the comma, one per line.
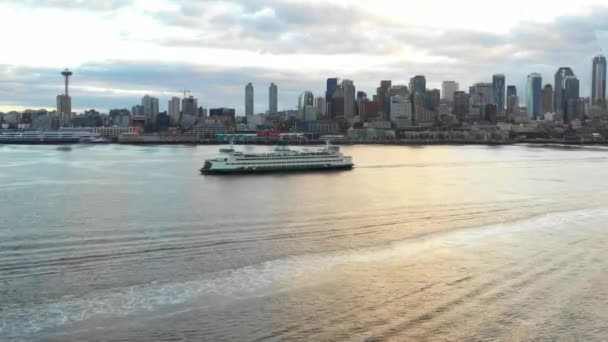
[185, 91]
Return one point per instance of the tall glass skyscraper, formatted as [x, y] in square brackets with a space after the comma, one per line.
[249, 99]
[498, 92]
[511, 90]
[571, 92]
[598, 85]
[273, 99]
[332, 84]
[533, 95]
[559, 101]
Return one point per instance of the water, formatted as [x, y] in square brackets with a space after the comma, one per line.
[454, 243]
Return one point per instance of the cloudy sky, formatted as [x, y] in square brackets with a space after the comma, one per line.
[121, 50]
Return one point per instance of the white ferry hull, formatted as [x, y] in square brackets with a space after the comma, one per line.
[281, 160]
[276, 169]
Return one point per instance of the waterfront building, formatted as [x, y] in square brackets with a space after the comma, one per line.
[498, 92]
[248, 99]
[598, 81]
[448, 88]
[273, 99]
[547, 100]
[559, 88]
[533, 95]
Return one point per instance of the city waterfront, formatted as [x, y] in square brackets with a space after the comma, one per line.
[121, 242]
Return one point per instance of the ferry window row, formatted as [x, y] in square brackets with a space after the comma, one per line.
[288, 163]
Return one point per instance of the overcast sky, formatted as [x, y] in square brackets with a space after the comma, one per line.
[120, 50]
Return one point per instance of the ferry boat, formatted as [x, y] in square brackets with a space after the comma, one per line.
[282, 159]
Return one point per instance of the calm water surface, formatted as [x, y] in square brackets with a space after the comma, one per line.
[453, 243]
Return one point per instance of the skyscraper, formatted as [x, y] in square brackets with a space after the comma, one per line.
[273, 99]
[417, 84]
[511, 90]
[598, 85]
[189, 111]
[571, 92]
[533, 95]
[547, 100]
[383, 98]
[306, 99]
[337, 103]
[174, 110]
[332, 84]
[150, 105]
[249, 99]
[448, 88]
[559, 87]
[321, 106]
[349, 98]
[461, 105]
[498, 92]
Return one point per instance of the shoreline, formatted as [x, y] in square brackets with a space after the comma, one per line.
[320, 142]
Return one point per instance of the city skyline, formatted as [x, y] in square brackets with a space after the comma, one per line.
[114, 78]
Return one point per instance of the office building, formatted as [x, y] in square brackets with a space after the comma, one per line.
[400, 90]
[512, 104]
[305, 100]
[349, 98]
[598, 81]
[332, 84]
[337, 103]
[361, 95]
[461, 105]
[249, 99]
[174, 109]
[189, 107]
[150, 108]
[498, 92]
[559, 88]
[448, 88]
[273, 100]
[383, 98]
[401, 110]
[321, 106]
[511, 90]
[533, 95]
[571, 92]
[547, 100]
